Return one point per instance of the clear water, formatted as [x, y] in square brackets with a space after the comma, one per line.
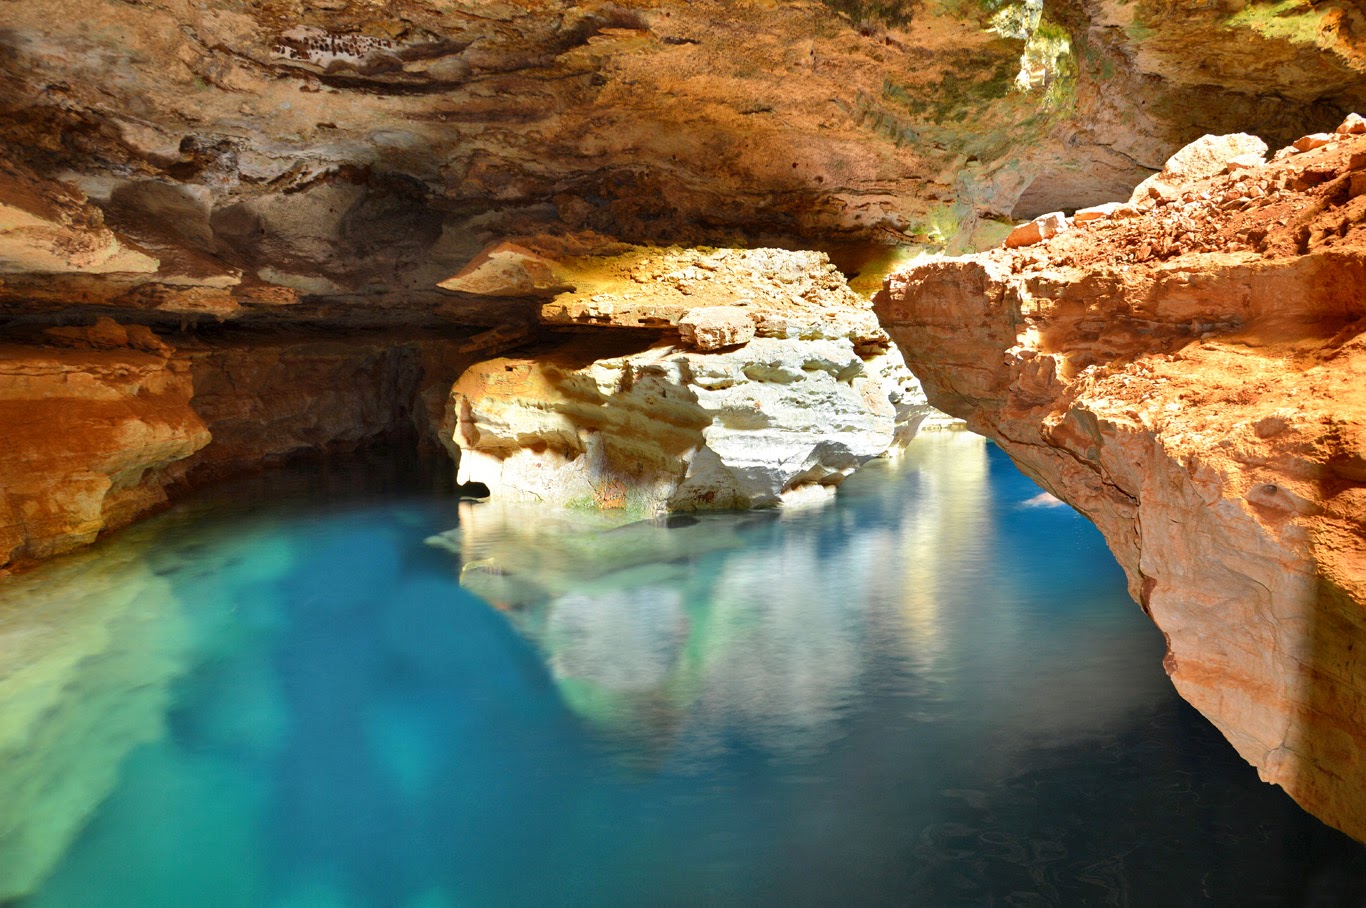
[934, 692]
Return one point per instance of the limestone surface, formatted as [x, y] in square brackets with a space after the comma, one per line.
[1191, 379]
[279, 159]
[716, 418]
[102, 420]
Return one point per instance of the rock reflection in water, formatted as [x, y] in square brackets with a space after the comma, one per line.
[750, 630]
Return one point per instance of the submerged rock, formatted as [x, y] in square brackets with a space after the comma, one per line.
[88, 649]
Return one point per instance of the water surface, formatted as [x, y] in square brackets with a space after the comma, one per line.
[933, 692]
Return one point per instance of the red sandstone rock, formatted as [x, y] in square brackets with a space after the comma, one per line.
[1043, 227]
[1317, 140]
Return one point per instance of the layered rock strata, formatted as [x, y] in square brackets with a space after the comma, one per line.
[92, 437]
[772, 383]
[1189, 376]
[103, 422]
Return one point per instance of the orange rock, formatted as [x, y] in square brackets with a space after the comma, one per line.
[1317, 140]
[1207, 412]
[1354, 125]
[1043, 227]
[91, 438]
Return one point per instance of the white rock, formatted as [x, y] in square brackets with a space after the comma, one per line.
[668, 430]
[1096, 212]
[1354, 125]
[1245, 162]
[1205, 157]
[715, 327]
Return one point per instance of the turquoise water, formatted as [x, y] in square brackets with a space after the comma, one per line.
[933, 692]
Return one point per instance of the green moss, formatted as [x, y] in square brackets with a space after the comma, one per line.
[899, 13]
[988, 234]
[1138, 32]
[1291, 20]
[894, 13]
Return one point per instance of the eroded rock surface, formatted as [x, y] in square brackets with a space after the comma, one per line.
[776, 399]
[1191, 377]
[91, 439]
[101, 421]
[339, 160]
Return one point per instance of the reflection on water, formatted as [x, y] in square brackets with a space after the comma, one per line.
[86, 657]
[933, 692]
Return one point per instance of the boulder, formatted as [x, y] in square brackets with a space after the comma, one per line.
[1205, 157]
[1043, 227]
[1317, 140]
[1096, 212]
[767, 403]
[1354, 125]
[715, 327]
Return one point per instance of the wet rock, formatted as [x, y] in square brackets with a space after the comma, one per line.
[93, 436]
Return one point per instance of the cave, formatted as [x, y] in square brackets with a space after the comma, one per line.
[548, 452]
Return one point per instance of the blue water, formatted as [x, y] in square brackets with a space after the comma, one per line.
[933, 692]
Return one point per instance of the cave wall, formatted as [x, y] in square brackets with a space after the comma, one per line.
[1187, 373]
[99, 436]
[336, 161]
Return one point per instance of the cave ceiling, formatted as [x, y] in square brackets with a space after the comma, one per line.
[336, 160]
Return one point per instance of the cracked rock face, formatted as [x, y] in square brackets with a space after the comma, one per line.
[1190, 377]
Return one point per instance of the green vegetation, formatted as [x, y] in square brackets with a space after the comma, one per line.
[894, 13]
[898, 13]
[1291, 20]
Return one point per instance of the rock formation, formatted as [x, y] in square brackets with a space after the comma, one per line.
[1188, 373]
[337, 160]
[303, 220]
[91, 439]
[102, 421]
[773, 385]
